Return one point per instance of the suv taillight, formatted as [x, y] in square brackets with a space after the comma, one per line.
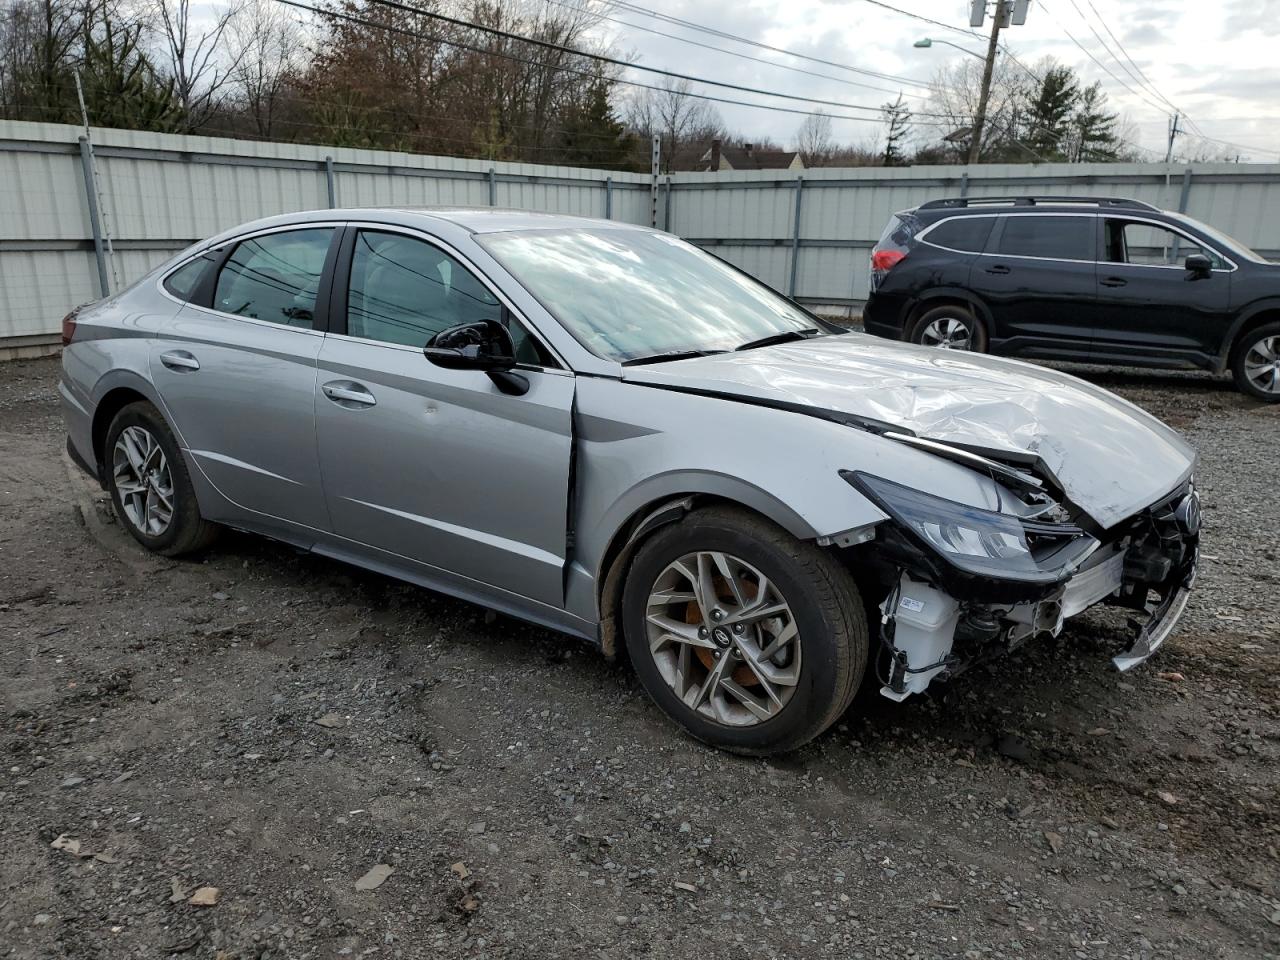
[885, 260]
[69, 327]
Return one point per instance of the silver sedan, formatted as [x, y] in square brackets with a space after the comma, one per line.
[604, 430]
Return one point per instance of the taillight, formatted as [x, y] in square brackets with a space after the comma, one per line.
[69, 327]
[883, 260]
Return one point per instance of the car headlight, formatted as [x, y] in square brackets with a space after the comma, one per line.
[977, 541]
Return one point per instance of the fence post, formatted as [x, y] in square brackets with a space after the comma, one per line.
[329, 182]
[964, 184]
[95, 222]
[1186, 189]
[493, 187]
[654, 160]
[666, 213]
[608, 198]
[795, 239]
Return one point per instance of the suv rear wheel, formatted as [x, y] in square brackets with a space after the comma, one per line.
[1256, 366]
[753, 640]
[950, 327]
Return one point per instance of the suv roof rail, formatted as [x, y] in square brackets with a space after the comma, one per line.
[1032, 201]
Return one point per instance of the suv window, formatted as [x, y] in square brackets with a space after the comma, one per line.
[1055, 238]
[275, 277]
[404, 290]
[964, 233]
[1130, 241]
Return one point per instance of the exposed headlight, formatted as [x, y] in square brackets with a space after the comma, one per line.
[977, 541]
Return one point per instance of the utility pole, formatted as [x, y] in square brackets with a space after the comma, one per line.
[993, 46]
[1173, 132]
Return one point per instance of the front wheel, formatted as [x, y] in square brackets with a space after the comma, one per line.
[753, 640]
[949, 327]
[1256, 363]
[149, 484]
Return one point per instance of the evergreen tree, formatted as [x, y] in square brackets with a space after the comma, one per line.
[121, 86]
[594, 136]
[898, 117]
[1093, 129]
[1049, 111]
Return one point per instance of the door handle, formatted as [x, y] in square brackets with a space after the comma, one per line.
[344, 392]
[179, 360]
[999, 268]
[1114, 282]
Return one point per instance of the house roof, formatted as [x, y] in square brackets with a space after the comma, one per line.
[758, 159]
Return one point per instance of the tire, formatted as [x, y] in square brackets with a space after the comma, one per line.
[185, 531]
[822, 666]
[1255, 359]
[936, 323]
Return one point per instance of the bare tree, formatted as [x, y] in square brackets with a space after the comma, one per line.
[953, 100]
[685, 123]
[814, 140]
[272, 50]
[194, 53]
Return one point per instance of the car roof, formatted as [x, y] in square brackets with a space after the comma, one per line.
[471, 219]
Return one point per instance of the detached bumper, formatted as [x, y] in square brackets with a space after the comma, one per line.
[1161, 622]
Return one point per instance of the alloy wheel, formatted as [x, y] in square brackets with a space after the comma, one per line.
[723, 638]
[948, 333]
[142, 478]
[1262, 365]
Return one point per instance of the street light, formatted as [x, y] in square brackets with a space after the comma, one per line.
[927, 42]
[979, 118]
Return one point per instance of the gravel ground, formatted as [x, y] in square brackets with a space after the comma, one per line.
[276, 726]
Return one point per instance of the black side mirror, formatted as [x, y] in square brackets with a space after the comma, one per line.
[1198, 265]
[481, 345]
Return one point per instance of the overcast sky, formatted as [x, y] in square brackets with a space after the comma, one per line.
[1216, 63]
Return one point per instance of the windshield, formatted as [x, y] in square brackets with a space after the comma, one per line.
[1231, 243]
[628, 295]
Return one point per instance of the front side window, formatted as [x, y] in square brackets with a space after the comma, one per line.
[275, 277]
[1151, 245]
[404, 290]
[629, 294]
[1053, 238]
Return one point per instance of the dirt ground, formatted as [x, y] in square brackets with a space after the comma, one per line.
[275, 725]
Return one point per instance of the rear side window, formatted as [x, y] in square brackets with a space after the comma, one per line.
[275, 277]
[965, 233]
[184, 281]
[1055, 238]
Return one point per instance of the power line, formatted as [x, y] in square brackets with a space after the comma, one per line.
[613, 61]
[735, 53]
[1119, 46]
[701, 28]
[351, 18]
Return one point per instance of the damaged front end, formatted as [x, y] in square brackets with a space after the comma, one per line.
[965, 584]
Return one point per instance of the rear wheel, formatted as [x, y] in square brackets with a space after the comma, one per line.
[753, 640]
[149, 484]
[950, 327]
[1256, 365]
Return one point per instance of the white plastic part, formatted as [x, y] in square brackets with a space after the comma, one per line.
[924, 629]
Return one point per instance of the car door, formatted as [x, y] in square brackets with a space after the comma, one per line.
[236, 371]
[438, 465]
[1038, 280]
[1150, 306]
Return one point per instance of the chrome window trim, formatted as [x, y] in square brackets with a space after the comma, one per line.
[479, 274]
[923, 235]
[1096, 215]
[240, 238]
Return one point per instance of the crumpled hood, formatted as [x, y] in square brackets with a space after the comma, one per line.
[1110, 457]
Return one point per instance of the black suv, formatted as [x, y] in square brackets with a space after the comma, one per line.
[1064, 278]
